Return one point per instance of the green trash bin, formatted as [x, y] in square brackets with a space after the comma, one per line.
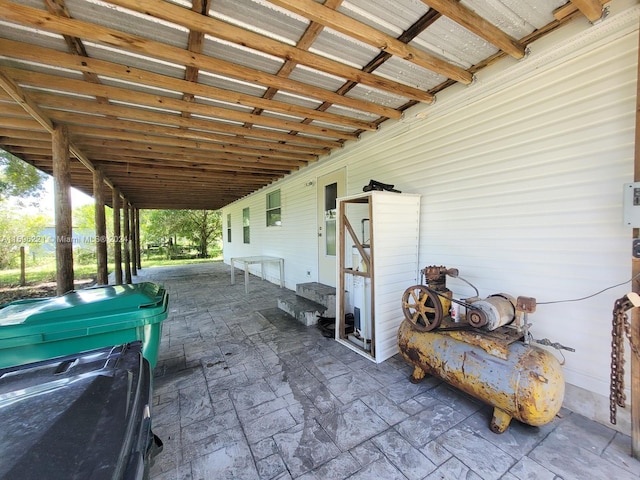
[39, 329]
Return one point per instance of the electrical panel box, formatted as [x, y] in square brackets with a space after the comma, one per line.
[631, 204]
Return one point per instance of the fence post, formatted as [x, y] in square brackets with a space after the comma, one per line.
[23, 279]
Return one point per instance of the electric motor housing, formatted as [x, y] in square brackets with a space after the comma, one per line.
[492, 312]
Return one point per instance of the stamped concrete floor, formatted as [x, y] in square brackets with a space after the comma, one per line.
[244, 392]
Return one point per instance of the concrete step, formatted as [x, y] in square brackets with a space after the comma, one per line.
[319, 293]
[302, 309]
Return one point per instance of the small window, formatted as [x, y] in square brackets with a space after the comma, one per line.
[229, 227]
[245, 225]
[273, 209]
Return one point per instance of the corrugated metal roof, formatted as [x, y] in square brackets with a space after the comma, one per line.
[249, 90]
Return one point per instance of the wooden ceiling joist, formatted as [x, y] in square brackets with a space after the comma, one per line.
[168, 105]
[265, 162]
[308, 37]
[130, 114]
[177, 113]
[33, 53]
[369, 35]
[225, 31]
[156, 135]
[25, 101]
[74, 44]
[199, 174]
[196, 39]
[192, 149]
[226, 134]
[38, 19]
[218, 165]
[592, 9]
[478, 25]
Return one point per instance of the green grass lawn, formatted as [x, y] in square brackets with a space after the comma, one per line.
[47, 273]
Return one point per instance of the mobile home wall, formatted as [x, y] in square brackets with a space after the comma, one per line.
[520, 176]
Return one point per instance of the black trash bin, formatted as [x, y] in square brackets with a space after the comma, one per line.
[83, 416]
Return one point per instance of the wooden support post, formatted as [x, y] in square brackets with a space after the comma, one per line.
[102, 277]
[62, 209]
[126, 221]
[635, 314]
[139, 249]
[117, 236]
[23, 265]
[134, 240]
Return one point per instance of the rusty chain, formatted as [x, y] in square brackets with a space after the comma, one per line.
[619, 329]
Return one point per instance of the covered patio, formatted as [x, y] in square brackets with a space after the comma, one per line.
[244, 391]
[259, 108]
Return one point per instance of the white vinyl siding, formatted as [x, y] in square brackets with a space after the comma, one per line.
[520, 176]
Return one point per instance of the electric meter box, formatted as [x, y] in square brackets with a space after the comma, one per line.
[631, 204]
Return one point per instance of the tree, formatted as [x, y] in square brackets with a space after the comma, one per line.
[201, 227]
[84, 222]
[18, 178]
[160, 226]
[19, 229]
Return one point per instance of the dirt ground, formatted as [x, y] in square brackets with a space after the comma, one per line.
[36, 290]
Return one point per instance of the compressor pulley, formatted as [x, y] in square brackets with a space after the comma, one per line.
[422, 307]
[425, 306]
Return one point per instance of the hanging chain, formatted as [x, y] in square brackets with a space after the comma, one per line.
[619, 329]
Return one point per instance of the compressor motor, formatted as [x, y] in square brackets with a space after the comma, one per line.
[486, 352]
[426, 306]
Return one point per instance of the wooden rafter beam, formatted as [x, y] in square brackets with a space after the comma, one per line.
[226, 161]
[218, 123]
[74, 44]
[412, 32]
[24, 101]
[478, 25]
[38, 19]
[205, 130]
[308, 37]
[592, 9]
[63, 84]
[196, 40]
[214, 166]
[184, 147]
[569, 8]
[159, 135]
[34, 53]
[154, 134]
[48, 101]
[225, 31]
[199, 174]
[371, 36]
[31, 107]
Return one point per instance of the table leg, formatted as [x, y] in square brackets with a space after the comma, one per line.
[246, 278]
[281, 273]
[233, 276]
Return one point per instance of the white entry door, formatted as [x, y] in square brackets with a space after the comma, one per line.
[330, 187]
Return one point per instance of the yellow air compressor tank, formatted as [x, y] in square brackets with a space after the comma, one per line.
[520, 381]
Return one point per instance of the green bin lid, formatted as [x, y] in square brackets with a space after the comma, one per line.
[92, 310]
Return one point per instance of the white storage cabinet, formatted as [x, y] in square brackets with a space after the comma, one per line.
[378, 238]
